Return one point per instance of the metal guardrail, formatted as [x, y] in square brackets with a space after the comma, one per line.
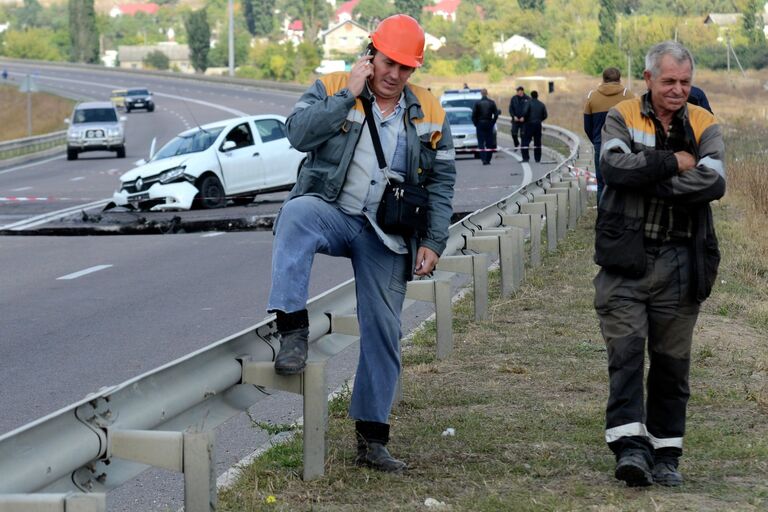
[161, 418]
[26, 145]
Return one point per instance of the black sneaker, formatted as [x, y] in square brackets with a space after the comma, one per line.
[665, 473]
[633, 468]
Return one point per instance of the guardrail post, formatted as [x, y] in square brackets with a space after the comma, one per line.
[439, 292]
[573, 200]
[537, 212]
[562, 211]
[310, 385]
[550, 219]
[189, 452]
[477, 266]
[512, 239]
[70, 502]
[497, 244]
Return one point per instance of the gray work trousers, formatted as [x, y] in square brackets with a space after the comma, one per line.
[658, 307]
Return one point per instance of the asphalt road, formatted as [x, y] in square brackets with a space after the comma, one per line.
[83, 312]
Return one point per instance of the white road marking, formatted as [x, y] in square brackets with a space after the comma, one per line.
[215, 233]
[81, 273]
[21, 189]
[78, 178]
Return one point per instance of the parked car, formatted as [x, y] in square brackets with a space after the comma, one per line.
[207, 166]
[139, 99]
[460, 97]
[462, 130]
[95, 126]
[117, 97]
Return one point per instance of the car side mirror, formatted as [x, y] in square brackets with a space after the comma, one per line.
[139, 162]
[228, 145]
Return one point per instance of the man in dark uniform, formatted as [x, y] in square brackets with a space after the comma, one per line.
[484, 116]
[534, 113]
[516, 107]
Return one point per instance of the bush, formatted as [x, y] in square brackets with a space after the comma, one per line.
[157, 60]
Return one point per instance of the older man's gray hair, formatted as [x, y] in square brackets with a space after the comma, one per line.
[672, 48]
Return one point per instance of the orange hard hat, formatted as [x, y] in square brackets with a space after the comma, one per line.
[400, 38]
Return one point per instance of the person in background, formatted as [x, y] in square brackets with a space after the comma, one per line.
[697, 97]
[663, 161]
[599, 102]
[516, 109]
[484, 116]
[535, 113]
[332, 210]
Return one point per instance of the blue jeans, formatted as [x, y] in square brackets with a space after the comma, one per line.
[308, 225]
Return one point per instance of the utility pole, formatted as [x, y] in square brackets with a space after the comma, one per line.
[28, 86]
[231, 8]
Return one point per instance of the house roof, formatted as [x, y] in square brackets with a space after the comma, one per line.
[444, 6]
[296, 25]
[132, 9]
[347, 25]
[346, 9]
[518, 43]
[722, 19]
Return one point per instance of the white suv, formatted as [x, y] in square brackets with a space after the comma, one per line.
[95, 126]
[460, 97]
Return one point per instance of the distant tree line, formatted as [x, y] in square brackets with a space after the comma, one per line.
[584, 35]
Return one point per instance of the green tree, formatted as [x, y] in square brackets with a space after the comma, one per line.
[157, 60]
[314, 15]
[752, 22]
[84, 36]
[264, 18]
[532, 5]
[218, 56]
[250, 19]
[33, 43]
[607, 19]
[28, 15]
[412, 8]
[198, 39]
[371, 11]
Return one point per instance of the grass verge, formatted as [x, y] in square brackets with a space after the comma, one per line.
[525, 392]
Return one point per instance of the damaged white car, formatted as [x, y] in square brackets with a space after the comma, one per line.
[207, 166]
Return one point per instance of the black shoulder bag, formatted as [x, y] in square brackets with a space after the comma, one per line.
[403, 207]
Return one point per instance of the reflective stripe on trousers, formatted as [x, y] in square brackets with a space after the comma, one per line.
[657, 307]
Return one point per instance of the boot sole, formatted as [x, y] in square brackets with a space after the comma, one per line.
[289, 370]
[634, 476]
[370, 465]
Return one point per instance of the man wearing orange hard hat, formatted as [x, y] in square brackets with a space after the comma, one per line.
[370, 137]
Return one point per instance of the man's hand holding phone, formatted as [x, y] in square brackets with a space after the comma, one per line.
[362, 70]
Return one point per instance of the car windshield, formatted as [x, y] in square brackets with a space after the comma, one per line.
[459, 103]
[138, 92]
[189, 143]
[460, 117]
[95, 115]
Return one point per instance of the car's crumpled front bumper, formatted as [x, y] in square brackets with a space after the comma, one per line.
[177, 196]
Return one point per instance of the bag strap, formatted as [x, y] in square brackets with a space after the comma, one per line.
[374, 132]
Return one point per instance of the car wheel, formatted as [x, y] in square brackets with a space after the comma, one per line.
[211, 193]
[121, 152]
[71, 154]
[151, 108]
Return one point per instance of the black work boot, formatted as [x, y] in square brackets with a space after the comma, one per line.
[372, 452]
[633, 468]
[294, 340]
[665, 473]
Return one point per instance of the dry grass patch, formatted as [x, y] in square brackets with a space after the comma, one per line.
[525, 393]
[48, 113]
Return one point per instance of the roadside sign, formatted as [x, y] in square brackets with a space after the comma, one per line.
[28, 85]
